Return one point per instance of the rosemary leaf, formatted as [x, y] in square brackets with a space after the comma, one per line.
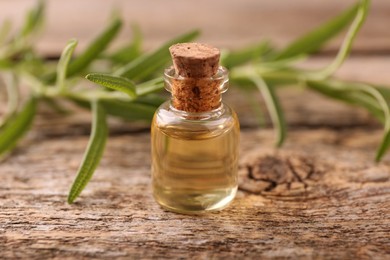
[384, 146]
[113, 82]
[62, 66]
[21, 42]
[348, 95]
[377, 104]
[93, 153]
[281, 76]
[33, 19]
[150, 86]
[315, 39]
[241, 76]
[91, 52]
[130, 51]
[151, 100]
[256, 108]
[145, 65]
[347, 43]
[12, 89]
[385, 91]
[129, 110]
[16, 127]
[95, 48]
[250, 53]
[273, 107]
[241, 81]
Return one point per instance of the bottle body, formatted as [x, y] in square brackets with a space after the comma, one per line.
[194, 158]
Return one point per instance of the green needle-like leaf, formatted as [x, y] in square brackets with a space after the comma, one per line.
[348, 95]
[16, 127]
[275, 76]
[129, 110]
[355, 92]
[273, 107]
[20, 45]
[94, 151]
[95, 48]
[150, 86]
[315, 39]
[256, 108]
[33, 19]
[384, 146]
[347, 43]
[147, 64]
[151, 100]
[13, 97]
[113, 82]
[62, 66]
[91, 52]
[131, 51]
[385, 91]
[251, 53]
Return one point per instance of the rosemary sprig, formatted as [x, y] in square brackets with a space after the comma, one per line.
[315, 39]
[17, 126]
[94, 151]
[134, 87]
[62, 67]
[273, 107]
[113, 82]
[12, 89]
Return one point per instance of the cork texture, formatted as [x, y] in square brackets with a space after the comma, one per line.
[196, 94]
[195, 60]
[195, 90]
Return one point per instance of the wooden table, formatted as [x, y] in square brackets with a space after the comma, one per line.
[320, 196]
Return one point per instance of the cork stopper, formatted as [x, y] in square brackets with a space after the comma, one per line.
[195, 60]
[195, 89]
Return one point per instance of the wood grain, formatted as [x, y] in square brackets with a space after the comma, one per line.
[337, 208]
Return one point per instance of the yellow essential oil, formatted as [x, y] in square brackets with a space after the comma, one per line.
[195, 143]
[195, 170]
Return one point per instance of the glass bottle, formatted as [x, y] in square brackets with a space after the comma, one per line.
[195, 151]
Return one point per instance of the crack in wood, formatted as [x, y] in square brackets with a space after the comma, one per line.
[270, 172]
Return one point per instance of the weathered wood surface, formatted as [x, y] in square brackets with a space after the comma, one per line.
[320, 196]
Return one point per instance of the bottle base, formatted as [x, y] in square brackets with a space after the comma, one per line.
[194, 203]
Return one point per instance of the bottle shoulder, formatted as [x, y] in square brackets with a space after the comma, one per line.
[167, 119]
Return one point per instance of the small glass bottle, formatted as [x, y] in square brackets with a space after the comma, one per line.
[195, 137]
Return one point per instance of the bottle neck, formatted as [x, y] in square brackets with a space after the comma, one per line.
[215, 113]
[196, 95]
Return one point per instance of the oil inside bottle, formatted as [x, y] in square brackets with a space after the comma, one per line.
[195, 169]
